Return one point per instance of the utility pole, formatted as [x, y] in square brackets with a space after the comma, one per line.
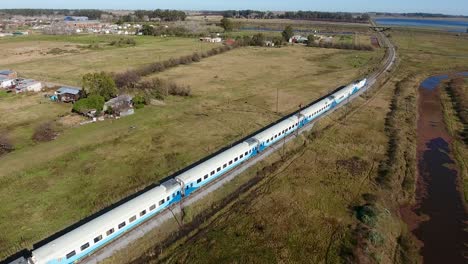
[277, 99]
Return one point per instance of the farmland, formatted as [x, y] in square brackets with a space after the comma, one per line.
[64, 59]
[308, 205]
[234, 94]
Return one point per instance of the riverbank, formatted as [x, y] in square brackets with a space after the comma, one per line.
[437, 217]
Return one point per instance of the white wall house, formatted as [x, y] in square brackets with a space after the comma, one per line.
[28, 86]
[6, 83]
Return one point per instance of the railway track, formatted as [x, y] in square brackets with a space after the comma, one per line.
[175, 209]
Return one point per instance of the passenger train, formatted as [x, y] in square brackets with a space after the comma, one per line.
[87, 238]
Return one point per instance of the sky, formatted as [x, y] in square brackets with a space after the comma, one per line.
[453, 7]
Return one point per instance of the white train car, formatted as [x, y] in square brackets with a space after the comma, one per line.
[315, 110]
[276, 132]
[89, 237]
[216, 166]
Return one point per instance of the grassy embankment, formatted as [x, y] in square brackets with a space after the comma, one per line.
[234, 94]
[337, 198]
[454, 101]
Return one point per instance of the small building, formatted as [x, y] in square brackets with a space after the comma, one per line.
[68, 94]
[8, 74]
[269, 43]
[6, 83]
[76, 18]
[211, 40]
[298, 39]
[121, 105]
[28, 86]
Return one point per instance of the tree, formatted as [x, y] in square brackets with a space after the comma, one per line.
[258, 40]
[147, 30]
[93, 102]
[288, 33]
[99, 84]
[227, 24]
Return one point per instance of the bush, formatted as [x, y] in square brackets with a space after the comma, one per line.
[45, 132]
[139, 102]
[367, 214]
[123, 42]
[126, 79]
[5, 145]
[93, 102]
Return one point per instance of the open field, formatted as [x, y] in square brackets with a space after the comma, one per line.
[64, 59]
[234, 94]
[305, 208]
[21, 114]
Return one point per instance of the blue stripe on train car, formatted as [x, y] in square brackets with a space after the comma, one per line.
[116, 234]
[193, 186]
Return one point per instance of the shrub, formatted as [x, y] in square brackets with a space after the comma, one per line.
[139, 102]
[93, 102]
[126, 79]
[5, 145]
[44, 132]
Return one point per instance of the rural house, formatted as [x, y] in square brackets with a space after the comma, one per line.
[8, 74]
[67, 94]
[28, 86]
[122, 105]
[6, 83]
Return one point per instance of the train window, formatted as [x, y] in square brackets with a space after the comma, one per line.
[276, 136]
[133, 218]
[97, 239]
[268, 141]
[71, 254]
[162, 201]
[154, 206]
[230, 162]
[85, 246]
[191, 185]
[225, 165]
[271, 138]
[110, 231]
[241, 156]
[246, 153]
[187, 187]
[199, 180]
[236, 159]
[142, 213]
[178, 192]
[121, 225]
[213, 172]
[173, 195]
[205, 177]
[168, 198]
[219, 169]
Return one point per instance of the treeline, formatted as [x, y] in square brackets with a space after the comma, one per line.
[164, 15]
[331, 45]
[131, 78]
[330, 16]
[90, 13]
[304, 15]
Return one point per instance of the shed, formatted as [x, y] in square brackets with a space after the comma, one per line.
[6, 82]
[8, 74]
[122, 105]
[28, 86]
[69, 94]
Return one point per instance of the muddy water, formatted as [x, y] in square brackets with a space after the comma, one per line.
[438, 218]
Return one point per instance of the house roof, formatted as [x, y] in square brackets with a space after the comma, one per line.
[68, 90]
[120, 98]
[6, 72]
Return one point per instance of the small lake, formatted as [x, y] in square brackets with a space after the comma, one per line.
[449, 25]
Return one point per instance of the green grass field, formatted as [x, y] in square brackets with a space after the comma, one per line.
[89, 167]
[31, 58]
